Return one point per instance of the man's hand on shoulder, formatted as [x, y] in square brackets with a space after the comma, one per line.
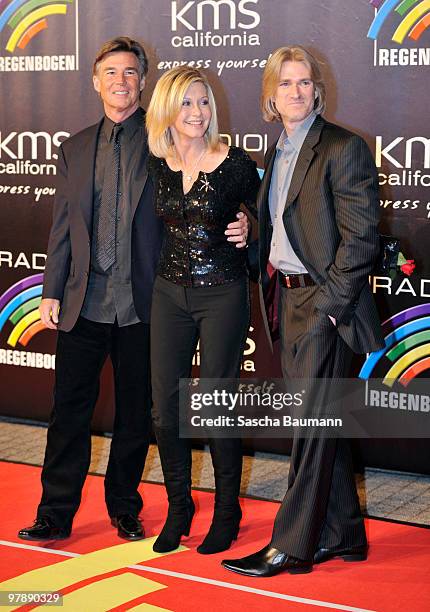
[49, 309]
[237, 231]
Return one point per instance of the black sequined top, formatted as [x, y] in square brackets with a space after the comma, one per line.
[195, 250]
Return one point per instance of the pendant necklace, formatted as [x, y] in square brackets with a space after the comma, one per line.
[189, 177]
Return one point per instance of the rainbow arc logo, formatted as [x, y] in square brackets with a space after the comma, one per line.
[19, 305]
[415, 16]
[407, 346]
[27, 18]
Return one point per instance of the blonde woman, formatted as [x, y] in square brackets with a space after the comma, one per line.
[201, 291]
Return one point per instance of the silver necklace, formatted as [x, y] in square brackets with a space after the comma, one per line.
[189, 177]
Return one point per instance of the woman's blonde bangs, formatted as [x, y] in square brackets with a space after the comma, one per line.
[166, 103]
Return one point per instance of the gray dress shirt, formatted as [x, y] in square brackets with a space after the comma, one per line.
[282, 256]
[109, 294]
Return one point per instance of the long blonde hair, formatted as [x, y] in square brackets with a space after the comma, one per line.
[166, 103]
[272, 73]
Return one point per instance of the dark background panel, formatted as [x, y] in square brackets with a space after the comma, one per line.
[382, 103]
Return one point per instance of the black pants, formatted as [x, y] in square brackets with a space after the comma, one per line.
[321, 507]
[218, 316]
[81, 354]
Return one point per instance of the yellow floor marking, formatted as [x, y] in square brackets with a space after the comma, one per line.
[109, 593]
[66, 573]
[148, 608]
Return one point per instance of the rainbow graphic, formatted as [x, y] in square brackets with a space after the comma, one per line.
[19, 305]
[407, 346]
[26, 18]
[415, 16]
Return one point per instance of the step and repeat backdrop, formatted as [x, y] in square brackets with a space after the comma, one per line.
[375, 58]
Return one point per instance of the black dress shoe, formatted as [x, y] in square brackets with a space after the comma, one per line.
[267, 562]
[129, 527]
[43, 528]
[355, 553]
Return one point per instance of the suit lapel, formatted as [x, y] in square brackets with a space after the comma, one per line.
[263, 195]
[304, 160]
[86, 163]
[269, 292]
[140, 173]
[265, 225]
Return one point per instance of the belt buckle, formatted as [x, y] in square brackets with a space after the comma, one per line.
[288, 282]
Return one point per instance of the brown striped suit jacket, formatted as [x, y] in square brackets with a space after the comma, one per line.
[330, 217]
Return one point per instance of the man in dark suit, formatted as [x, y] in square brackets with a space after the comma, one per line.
[103, 248]
[102, 255]
[318, 209]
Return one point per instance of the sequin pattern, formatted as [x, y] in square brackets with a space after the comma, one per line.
[195, 250]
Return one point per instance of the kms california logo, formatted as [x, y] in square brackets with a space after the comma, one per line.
[198, 24]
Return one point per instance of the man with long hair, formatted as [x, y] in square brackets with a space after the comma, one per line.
[318, 214]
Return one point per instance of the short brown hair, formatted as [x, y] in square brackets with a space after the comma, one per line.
[123, 43]
[272, 72]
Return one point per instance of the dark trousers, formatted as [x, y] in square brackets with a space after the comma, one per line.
[218, 316]
[81, 354]
[321, 506]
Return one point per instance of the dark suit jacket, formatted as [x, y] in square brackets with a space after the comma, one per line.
[68, 262]
[330, 217]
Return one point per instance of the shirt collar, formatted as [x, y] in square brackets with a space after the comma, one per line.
[130, 125]
[297, 138]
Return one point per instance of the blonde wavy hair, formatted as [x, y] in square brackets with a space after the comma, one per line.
[166, 104]
[272, 73]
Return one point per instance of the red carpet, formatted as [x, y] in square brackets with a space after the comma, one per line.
[93, 570]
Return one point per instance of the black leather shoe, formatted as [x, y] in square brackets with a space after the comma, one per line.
[129, 527]
[267, 562]
[355, 553]
[43, 528]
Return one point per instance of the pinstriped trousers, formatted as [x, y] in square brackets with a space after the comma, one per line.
[321, 507]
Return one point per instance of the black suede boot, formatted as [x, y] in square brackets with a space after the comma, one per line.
[175, 455]
[227, 463]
